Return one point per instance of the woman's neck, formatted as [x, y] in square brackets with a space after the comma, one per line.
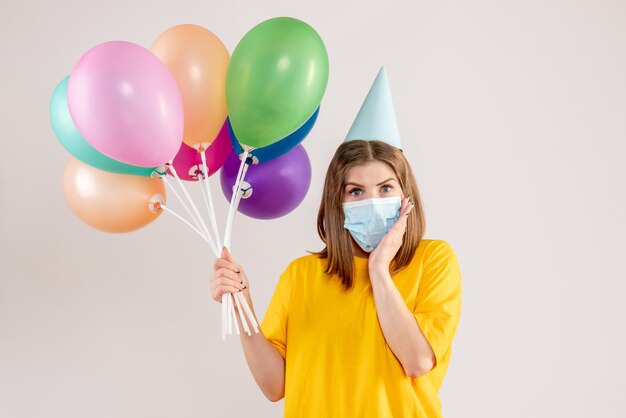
[358, 251]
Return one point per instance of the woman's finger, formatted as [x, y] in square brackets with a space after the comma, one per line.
[229, 274]
[407, 206]
[225, 281]
[219, 292]
[228, 289]
[404, 211]
[228, 256]
[223, 263]
[399, 227]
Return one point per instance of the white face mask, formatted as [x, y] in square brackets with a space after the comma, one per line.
[369, 220]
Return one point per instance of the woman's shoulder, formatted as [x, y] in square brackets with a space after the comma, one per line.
[307, 261]
[439, 260]
[430, 247]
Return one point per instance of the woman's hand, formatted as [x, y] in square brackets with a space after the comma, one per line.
[227, 277]
[264, 360]
[381, 256]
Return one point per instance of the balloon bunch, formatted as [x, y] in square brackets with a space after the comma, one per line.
[130, 117]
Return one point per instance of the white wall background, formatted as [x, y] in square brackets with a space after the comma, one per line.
[513, 117]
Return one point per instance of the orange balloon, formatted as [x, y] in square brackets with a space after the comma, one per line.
[198, 60]
[111, 202]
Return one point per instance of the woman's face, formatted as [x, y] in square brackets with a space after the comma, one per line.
[372, 180]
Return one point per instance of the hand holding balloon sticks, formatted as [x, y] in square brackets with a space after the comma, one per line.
[198, 60]
[275, 101]
[234, 202]
[91, 113]
[129, 116]
[228, 312]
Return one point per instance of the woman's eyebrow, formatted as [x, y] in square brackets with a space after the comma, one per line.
[386, 181]
[379, 184]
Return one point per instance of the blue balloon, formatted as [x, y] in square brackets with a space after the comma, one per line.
[275, 150]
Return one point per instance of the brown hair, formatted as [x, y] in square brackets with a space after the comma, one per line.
[330, 217]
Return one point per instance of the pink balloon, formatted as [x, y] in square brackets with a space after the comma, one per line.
[188, 162]
[125, 103]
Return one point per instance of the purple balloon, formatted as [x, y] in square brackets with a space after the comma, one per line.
[126, 104]
[271, 189]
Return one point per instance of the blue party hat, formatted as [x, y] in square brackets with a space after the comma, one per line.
[376, 118]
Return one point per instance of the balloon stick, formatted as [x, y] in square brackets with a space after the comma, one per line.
[209, 200]
[195, 209]
[233, 313]
[237, 186]
[182, 202]
[243, 318]
[167, 209]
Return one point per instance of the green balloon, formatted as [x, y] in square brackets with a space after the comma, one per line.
[275, 80]
[73, 141]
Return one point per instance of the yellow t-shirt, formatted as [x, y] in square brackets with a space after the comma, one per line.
[337, 361]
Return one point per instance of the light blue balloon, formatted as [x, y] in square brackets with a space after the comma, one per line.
[278, 148]
[73, 141]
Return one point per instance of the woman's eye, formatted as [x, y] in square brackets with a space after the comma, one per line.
[387, 188]
[355, 192]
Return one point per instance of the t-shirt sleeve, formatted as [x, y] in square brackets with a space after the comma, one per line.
[438, 306]
[274, 324]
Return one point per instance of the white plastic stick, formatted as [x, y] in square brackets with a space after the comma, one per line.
[242, 316]
[206, 202]
[167, 209]
[228, 311]
[209, 201]
[239, 195]
[182, 202]
[195, 209]
[255, 325]
[238, 296]
[228, 316]
[233, 314]
[224, 299]
[231, 318]
[238, 180]
[224, 313]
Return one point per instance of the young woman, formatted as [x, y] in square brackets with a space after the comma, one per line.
[364, 327]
